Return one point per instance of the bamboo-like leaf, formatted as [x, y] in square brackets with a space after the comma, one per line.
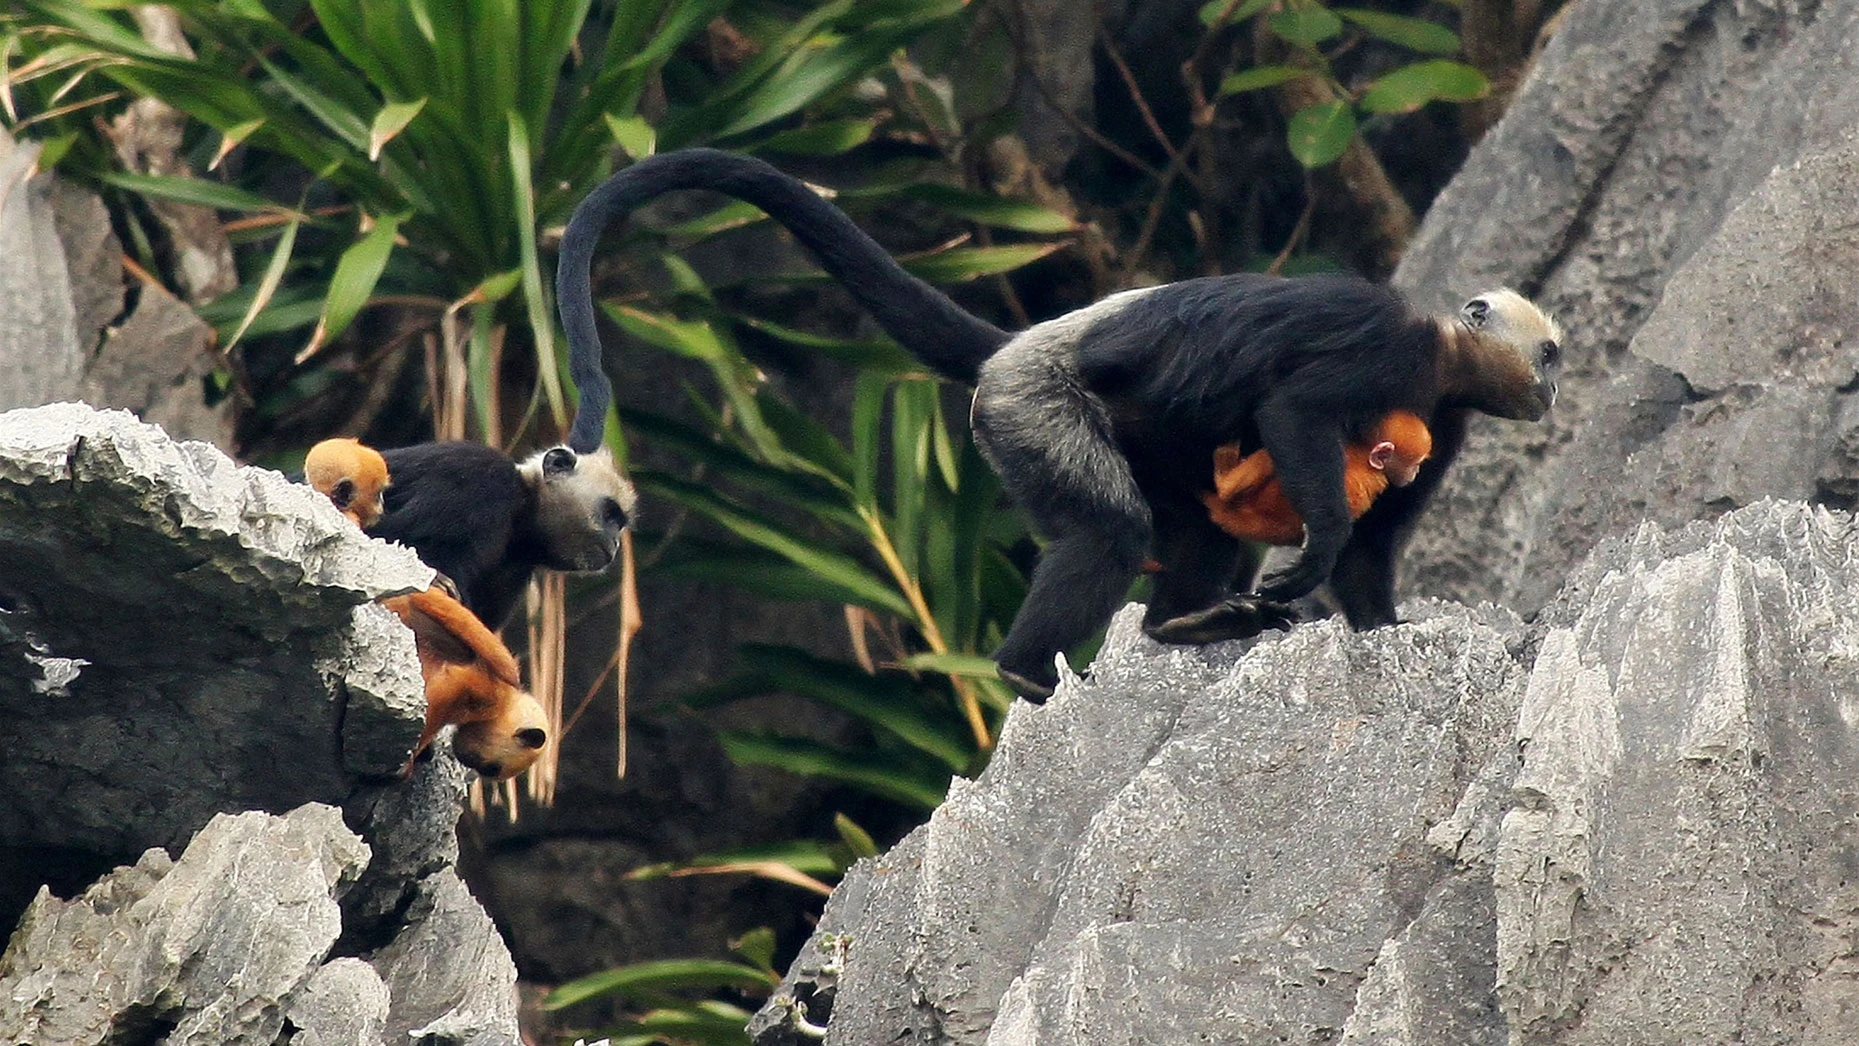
[657, 976]
[733, 215]
[885, 701]
[197, 191]
[967, 666]
[633, 134]
[816, 73]
[707, 1023]
[810, 441]
[347, 124]
[1307, 24]
[812, 856]
[389, 122]
[877, 774]
[1412, 86]
[358, 270]
[268, 283]
[877, 354]
[828, 138]
[1260, 76]
[805, 490]
[1319, 133]
[990, 210]
[867, 411]
[857, 839]
[1415, 33]
[749, 570]
[968, 263]
[758, 946]
[541, 318]
[231, 138]
[836, 567]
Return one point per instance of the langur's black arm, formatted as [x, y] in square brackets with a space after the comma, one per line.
[1307, 451]
[923, 319]
[1363, 580]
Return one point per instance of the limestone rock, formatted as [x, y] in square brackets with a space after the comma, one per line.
[160, 599]
[1668, 181]
[1629, 823]
[183, 639]
[68, 327]
[204, 950]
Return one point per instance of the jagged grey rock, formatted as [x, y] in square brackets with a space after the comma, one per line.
[343, 1003]
[450, 977]
[181, 637]
[40, 358]
[1668, 180]
[1628, 823]
[65, 330]
[203, 951]
[189, 606]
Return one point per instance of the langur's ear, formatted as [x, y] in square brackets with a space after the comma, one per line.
[1380, 454]
[1475, 312]
[557, 461]
[343, 493]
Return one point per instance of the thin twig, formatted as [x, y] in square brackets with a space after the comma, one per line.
[1298, 231]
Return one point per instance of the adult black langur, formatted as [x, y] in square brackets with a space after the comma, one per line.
[1102, 423]
[488, 523]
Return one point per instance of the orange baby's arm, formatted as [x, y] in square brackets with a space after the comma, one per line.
[446, 629]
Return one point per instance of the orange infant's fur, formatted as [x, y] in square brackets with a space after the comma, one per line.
[1249, 502]
[350, 474]
[471, 678]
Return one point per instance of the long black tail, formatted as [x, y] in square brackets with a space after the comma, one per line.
[937, 331]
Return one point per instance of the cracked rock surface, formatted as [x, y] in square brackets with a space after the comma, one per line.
[193, 670]
[1631, 822]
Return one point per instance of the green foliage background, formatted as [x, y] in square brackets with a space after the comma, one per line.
[416, 161]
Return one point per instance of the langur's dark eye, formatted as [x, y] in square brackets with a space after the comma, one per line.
[558, 461]
[532, 737]
[611, 513]
[1549, 352]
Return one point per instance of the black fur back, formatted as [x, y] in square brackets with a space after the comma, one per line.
[1198, 356]
[456, 504]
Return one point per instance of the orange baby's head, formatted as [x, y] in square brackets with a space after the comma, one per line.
[351, 474]
[506, 743]
[1402, 444]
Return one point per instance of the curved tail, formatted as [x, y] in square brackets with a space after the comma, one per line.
[936, 330]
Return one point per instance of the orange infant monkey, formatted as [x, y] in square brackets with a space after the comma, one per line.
[1249, 502]
[351, 474]
[471, 678]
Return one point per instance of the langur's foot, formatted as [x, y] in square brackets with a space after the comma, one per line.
[1235, 617]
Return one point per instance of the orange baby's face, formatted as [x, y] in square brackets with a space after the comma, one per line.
[508, 743]
[350, 474]
[1401, 468]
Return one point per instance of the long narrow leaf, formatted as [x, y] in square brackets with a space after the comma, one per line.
[197, 191]
[657, 976]
[968, 263]
[834, 566]
[541, 319]
[875, 773]
[268, 283]
[352, 285]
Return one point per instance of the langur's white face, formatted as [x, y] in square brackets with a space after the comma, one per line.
[582, 506]
[1504, 318]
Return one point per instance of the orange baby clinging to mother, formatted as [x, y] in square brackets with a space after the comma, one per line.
[1249, 502]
